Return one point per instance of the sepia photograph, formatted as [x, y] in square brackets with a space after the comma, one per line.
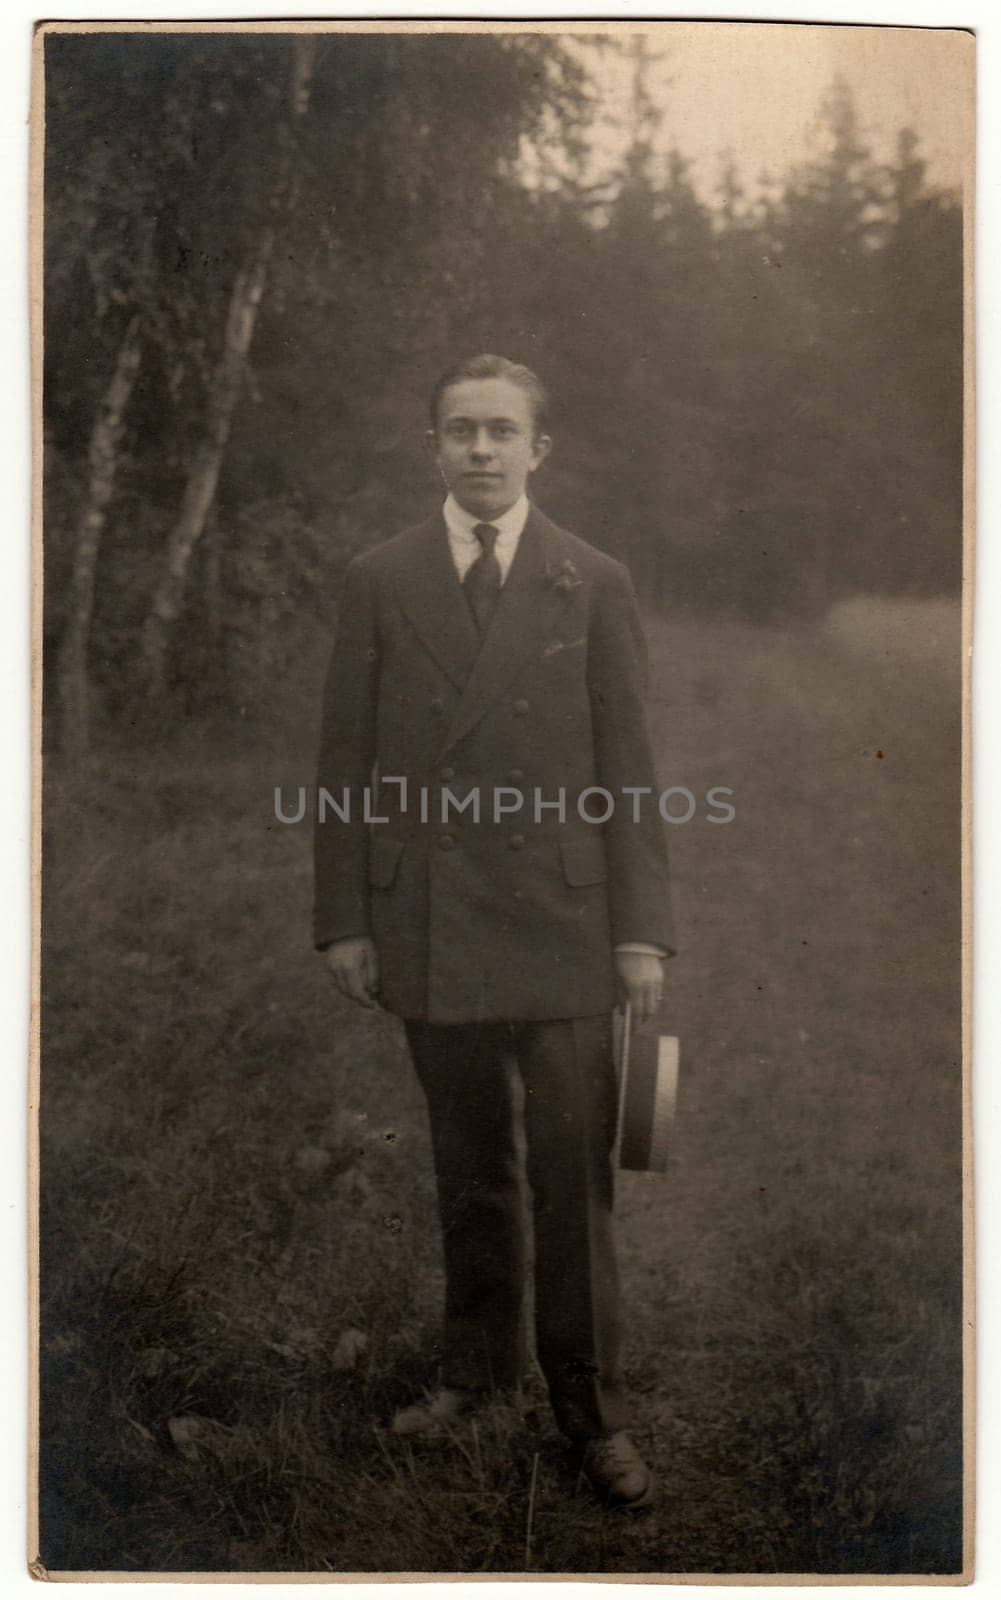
[503, 560]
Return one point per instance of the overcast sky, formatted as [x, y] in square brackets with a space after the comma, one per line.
[755, 89]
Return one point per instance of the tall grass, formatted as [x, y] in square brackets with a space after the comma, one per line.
[241, 1274]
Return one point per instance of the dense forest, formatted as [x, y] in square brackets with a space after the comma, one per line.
[261, 250]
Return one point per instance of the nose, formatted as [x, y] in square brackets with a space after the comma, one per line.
[481, 447]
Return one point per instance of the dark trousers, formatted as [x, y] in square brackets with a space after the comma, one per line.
[569, 1116]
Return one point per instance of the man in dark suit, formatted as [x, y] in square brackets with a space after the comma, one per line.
[483, 707]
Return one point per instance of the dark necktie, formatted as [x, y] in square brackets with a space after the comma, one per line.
[482, 583]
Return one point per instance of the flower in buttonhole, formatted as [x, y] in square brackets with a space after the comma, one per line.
[564, 580]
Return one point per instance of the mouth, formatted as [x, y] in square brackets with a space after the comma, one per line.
[483, 477]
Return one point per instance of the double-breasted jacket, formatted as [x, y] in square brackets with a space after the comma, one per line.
[464, 783]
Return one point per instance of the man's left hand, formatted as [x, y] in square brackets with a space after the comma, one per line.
[641, 982]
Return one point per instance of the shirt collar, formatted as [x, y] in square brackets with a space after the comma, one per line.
[460, 523]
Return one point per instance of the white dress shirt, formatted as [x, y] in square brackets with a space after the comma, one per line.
[466, 548]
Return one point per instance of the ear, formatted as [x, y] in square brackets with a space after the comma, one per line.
[540, 449]
[431, 442]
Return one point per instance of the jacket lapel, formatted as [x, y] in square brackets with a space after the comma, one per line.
[523, 617]
[431, 595]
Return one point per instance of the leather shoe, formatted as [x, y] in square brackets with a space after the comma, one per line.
[616, 1471]
[436, 1411]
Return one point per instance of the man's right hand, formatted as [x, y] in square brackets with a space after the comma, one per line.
[354, 966]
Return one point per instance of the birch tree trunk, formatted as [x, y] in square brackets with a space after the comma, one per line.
[72, 680]
[203, 478]
[213, 576]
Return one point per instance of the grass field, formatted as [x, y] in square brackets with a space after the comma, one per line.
[241, 1274]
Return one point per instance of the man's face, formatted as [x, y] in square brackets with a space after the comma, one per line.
[486, 444]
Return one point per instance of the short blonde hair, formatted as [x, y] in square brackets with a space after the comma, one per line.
[488, 366]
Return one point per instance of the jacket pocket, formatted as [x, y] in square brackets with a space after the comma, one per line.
[383, 860]
[584, 862]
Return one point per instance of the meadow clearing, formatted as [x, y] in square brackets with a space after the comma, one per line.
[240, 1266]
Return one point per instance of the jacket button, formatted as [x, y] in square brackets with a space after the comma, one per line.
[520, 707]
[447, 774]
[446, 842]
[516, 841]
[515, 775]
[437, 707]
